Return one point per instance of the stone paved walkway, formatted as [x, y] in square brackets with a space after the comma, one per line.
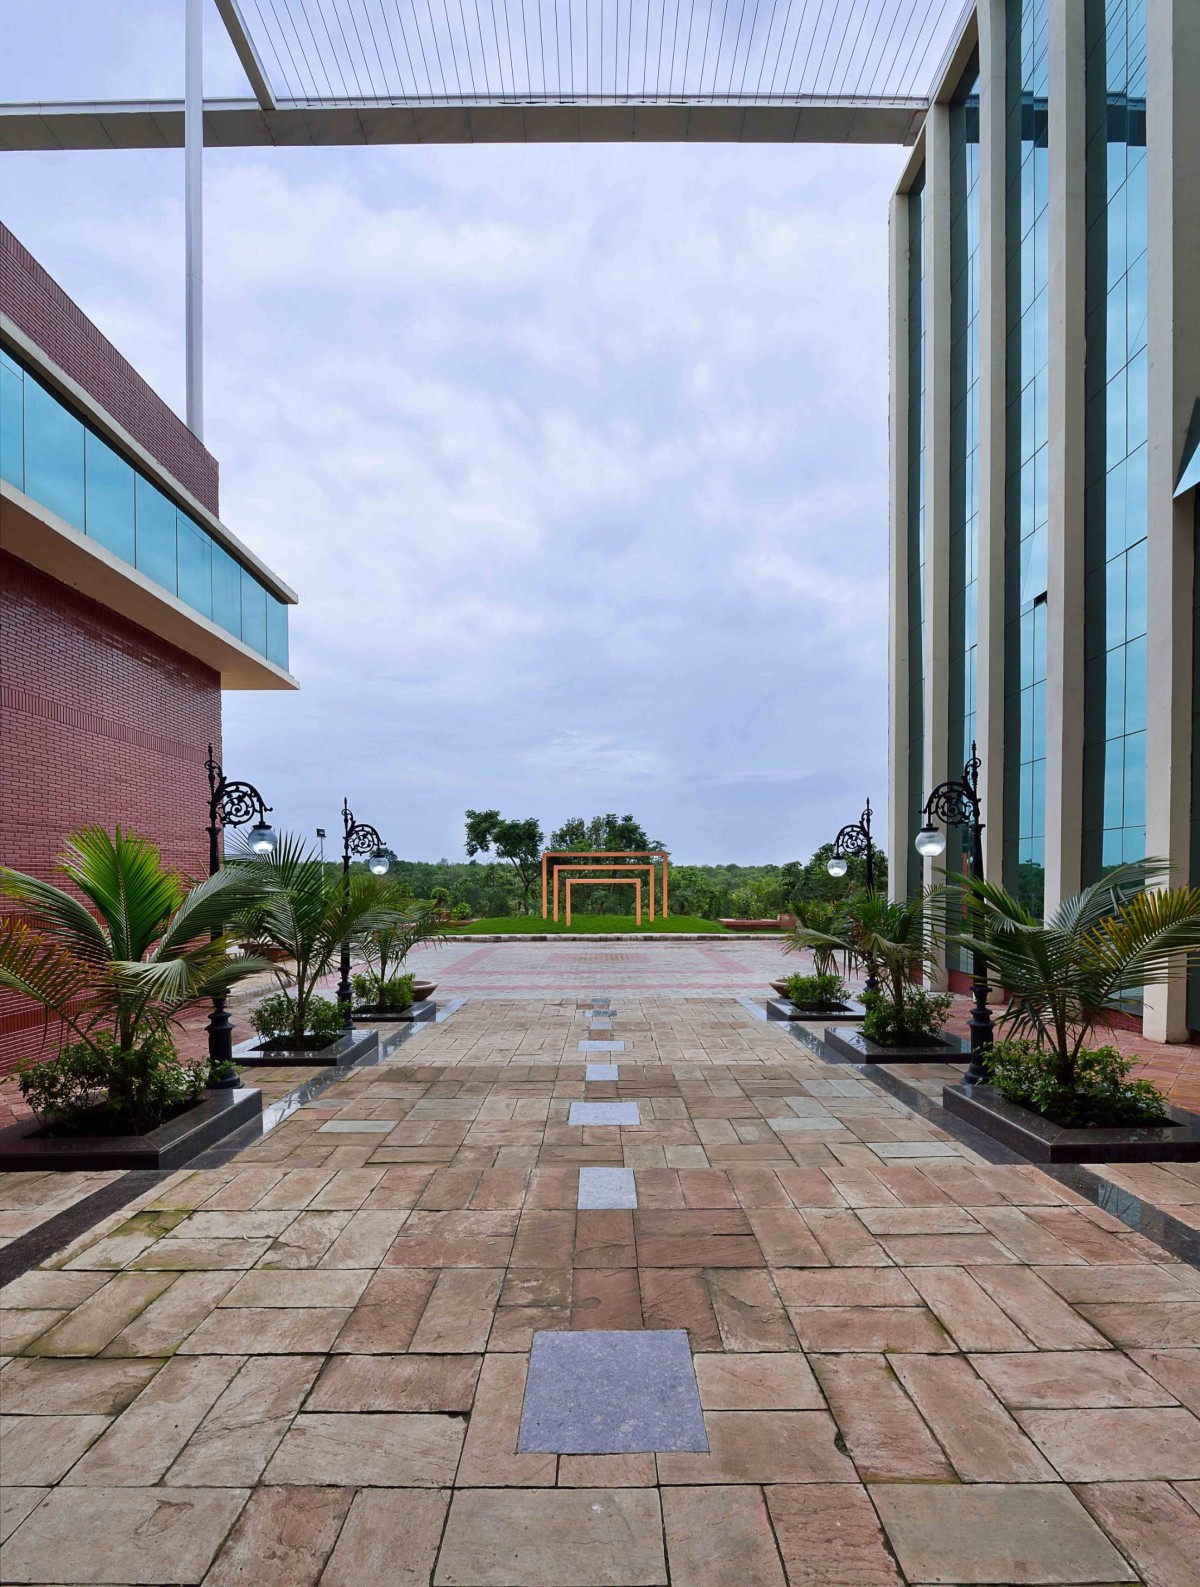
[309, 1364]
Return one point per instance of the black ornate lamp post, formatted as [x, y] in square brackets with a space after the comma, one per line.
[358, 837]
[230, 804]
[956, 804]
[851, 841]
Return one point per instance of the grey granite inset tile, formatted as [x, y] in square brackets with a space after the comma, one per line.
[357, 1127]
[612, 1393]
[604, 1113]
[606, 1188]
[602, 1046]
[601, 1072]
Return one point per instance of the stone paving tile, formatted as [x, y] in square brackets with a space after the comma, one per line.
[345, 1317]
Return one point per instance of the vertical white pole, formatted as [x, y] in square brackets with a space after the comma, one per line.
[193, 188]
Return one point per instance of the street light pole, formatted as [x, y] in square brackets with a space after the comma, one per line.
[358, 837]
[851, 841]
[956, 804]
[230, 804]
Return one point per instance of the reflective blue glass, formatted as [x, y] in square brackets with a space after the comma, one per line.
[156, 545]
[109, 492]
[1027, 249]
[68, 467]
[226, 591]
[195, 565]
[254, 614]
[53, 454]
[277, 632]
[12, 422]
[1116, 459]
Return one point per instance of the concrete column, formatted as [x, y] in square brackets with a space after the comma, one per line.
[989, 703]
[937, 451]
[898, 636]
[1067, 460]
[1173, 193]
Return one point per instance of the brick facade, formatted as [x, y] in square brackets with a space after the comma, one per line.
[100, 721]
[39, 306]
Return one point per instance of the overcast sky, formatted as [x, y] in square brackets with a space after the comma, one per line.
[576, 456]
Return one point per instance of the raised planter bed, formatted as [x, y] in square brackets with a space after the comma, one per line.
[342, 1051]
[24, 1148]
[852, 1045]
[425, 1008]
[1042, 1142]
[781, 1008]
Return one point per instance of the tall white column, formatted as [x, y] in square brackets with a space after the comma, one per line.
[1066, 451]
[193, 191]
[937, 451]
[1173, 195]
[899, 726]
[989, 665]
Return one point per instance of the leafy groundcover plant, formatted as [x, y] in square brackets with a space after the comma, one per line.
[915, 1022]
[816, 991]
[276, 1020]
[117, 966]
[379, 997]
[1064, 975]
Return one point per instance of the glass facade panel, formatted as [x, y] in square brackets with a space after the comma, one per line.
[53, 455]
[12, 422]
[1115, 544]
[195, 565]
[964, 437]
[157, 550]
[1027, 446]
[109, 492]
[916, 520]
[50, 454]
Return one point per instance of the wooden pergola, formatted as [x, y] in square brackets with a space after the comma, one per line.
[614, 864]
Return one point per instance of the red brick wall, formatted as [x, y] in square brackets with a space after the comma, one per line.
[36, 303]
[100, 721]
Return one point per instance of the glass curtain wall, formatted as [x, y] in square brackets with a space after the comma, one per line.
[1116, 372]
[916, 519]
[1027, 430]
[50, 454]
[964, 436]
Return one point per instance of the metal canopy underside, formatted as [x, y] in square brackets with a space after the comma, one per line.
[240, 123]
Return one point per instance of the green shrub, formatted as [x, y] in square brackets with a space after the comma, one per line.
[816, 991]
[461, 911]
[93, 1088]
[276, 1016]
[1102, 1093]
[394, 993]
[921, 1016]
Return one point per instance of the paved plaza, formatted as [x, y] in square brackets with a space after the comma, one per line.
[334, 1359]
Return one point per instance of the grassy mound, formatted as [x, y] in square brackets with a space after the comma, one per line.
[527, 924]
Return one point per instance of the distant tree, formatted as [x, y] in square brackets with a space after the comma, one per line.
[608, 832]
[518, 842]
[804, 880]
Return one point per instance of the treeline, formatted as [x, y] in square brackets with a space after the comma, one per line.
[491, 888]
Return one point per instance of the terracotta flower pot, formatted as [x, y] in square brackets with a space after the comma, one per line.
[423, 990]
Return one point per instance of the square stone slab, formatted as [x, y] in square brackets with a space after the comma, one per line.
[604, 1113]
[606, 1188]
[357, 1127]
[601, 1072]
[612, 1393]
[602, 1046]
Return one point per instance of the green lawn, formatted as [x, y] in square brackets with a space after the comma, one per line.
[534, 923]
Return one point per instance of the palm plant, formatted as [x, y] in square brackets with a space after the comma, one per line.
[1064, 975]
[818, 930]
[301, 909]
[118, 974]
[386, 948]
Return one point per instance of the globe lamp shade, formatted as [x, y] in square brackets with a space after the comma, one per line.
[837, 866]
[378, 863]
[930, 842]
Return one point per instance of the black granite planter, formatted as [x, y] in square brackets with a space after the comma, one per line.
[169, 1146]
[852, 1045]
[780, 1008]
[413, 1014]
[341, 1051]
[1043, 1142]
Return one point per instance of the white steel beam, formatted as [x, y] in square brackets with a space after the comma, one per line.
[240, 38]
